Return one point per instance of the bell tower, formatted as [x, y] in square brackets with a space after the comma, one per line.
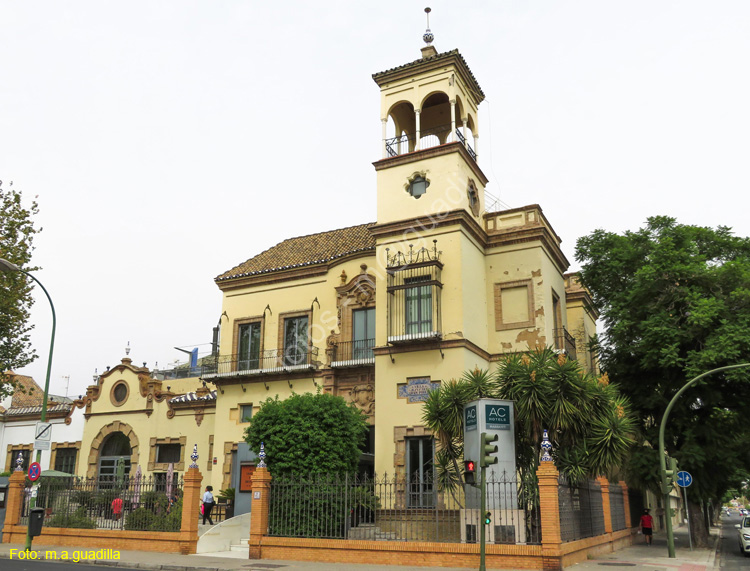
[430, 133]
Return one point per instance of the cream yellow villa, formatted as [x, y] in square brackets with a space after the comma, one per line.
[379, 313]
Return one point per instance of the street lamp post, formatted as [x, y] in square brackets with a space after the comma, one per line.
[662, 458]
[7, 266]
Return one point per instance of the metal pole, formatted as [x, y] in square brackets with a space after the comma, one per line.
[32, 501]
[687, 513]
[662, 460]
[482, 508]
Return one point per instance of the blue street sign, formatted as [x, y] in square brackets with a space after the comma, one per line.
[684, 479]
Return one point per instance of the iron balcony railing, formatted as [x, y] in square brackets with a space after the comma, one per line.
[566, 342]
[462, 140]
[352, 353]
[272, 361]
[428, 138]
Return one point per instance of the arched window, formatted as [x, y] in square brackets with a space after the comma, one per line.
[115, 452]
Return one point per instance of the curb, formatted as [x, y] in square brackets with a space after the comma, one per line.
[125, 564]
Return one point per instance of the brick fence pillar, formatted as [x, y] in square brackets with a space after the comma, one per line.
[549, 507]
[191, 496]
[606, 507]
[261, 486]
[14, 501]
[626, 504]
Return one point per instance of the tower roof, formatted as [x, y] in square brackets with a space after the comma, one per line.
[309, 250]
[431, 62]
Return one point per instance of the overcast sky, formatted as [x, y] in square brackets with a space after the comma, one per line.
[168, 141]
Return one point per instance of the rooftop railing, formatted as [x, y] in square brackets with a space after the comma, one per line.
[428, 138]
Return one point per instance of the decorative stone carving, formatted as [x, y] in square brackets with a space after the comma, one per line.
[363, 397]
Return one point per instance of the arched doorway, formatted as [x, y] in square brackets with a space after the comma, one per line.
[115, 450]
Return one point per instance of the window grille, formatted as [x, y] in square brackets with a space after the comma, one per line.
[414, 295]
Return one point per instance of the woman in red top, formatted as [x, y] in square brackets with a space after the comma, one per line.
[647, 525]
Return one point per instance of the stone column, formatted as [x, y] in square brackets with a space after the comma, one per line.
[261, 479]
[385, 125]
[476, 146]
[606, 507]
[418, 127]
[626, 504]
[452, 136]
[14, 501]
[549, 507]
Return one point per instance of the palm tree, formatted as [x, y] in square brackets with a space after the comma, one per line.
[588, 421]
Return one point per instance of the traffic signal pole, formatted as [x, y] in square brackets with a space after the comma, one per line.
[665, 485]
[487, 448]
[482, 508]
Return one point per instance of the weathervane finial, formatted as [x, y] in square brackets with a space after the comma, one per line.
[428, 35]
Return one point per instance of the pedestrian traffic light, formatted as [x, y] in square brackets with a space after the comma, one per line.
[488, 518]
[488, 448]
[470, 472]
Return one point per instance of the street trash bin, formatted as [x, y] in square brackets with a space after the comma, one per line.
[36, 520]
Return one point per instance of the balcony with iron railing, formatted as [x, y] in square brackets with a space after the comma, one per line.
[564, 341]
[428, 138]
[352, 353]
[270, 362]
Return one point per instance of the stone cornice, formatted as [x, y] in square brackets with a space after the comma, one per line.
[432, 152]
[428, 223]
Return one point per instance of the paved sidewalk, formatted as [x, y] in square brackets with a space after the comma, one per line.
[656, 556]
[209, 562]
[636, 557]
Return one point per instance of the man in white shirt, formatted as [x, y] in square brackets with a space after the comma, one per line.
[208, 505]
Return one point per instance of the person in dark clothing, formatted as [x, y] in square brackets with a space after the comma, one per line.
[208, 505]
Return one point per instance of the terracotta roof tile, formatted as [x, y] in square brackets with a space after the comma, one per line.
[380, 77]
[26, 392]
[309, 250]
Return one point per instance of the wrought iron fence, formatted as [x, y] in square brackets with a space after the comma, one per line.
[581, 510]
[136, 504]
[616, 507]
[400, 509]
[292, 358]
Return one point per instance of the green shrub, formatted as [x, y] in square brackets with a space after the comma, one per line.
[140, 519]
[77, 519]
[83, 497]
[155, 501]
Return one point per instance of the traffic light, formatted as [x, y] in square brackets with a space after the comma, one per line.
[470, 472]
[671, 473]
[488, 518]
[488, 448]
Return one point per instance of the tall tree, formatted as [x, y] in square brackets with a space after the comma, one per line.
[675, 301]
[17, 233]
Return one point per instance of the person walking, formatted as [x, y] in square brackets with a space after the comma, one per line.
[117, 508]
[208, 504]
[647, 526]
